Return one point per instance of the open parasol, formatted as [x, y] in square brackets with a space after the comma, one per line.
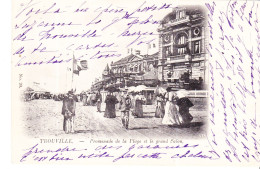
[140, 88]
[183, 99]
[160, 90]
[131, 89]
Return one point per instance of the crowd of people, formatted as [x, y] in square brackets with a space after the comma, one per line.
[171, 106]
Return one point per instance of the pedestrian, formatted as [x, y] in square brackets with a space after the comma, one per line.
[89, 99]
[125, 106]
[171, 116]
[84, 99]
[111, 100]
[139, 101]
[184, 104]
[99, 101]
[81, 96]
[68, 111]
[132, 96]
[93, 99]
[159, 113]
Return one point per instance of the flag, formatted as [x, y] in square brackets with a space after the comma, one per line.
[75, 67]
[83, 65]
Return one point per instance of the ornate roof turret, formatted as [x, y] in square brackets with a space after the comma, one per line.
[106, 71]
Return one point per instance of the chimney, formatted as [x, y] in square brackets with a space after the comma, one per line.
[137, 52]
[130, 51]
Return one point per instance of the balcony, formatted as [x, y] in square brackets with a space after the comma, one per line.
[197, 57]
[178, 57]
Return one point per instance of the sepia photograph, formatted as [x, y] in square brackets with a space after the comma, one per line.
[158, 90]
[168, 83]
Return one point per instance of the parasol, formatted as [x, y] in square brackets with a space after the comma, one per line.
[185, 102]
[140, 88]
[131, 89]
[160, 90]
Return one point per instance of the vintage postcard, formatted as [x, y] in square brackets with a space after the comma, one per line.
[122, 82]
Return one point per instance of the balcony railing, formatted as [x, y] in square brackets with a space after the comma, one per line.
[178, 57]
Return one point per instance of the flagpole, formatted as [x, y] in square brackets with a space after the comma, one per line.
[147, 49]
[66, 87]
[72, 70]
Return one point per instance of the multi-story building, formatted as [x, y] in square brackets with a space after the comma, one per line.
[182, 47]
[134, 69]
[181, 62]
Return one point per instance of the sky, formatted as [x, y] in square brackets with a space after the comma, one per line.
[36, 38]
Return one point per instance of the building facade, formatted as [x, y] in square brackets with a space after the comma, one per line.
[136, 69]
[182, 60]
[182, 48]
[132, 70]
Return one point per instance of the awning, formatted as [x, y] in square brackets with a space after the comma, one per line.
[151, 75]
[138, 77]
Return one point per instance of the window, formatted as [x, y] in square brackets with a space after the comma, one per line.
[181, 14]
[181, 41]
[196, 47]
[131, 69]
[150, 67]
[135, 68]
[196, 64]
[168, 51]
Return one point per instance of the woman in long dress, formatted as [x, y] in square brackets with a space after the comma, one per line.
[132, 96]
[139, 101]
[99, 101]
[159, 113]
[171, 116]
[184, 104]
[111, 101]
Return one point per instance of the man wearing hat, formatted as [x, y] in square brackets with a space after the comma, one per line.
[125, 106]
[68, 111]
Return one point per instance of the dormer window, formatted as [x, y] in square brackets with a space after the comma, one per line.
[180, 14]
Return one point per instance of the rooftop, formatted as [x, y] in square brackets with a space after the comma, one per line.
[131, 56]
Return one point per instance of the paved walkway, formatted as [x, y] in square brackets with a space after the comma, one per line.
[43, 119]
